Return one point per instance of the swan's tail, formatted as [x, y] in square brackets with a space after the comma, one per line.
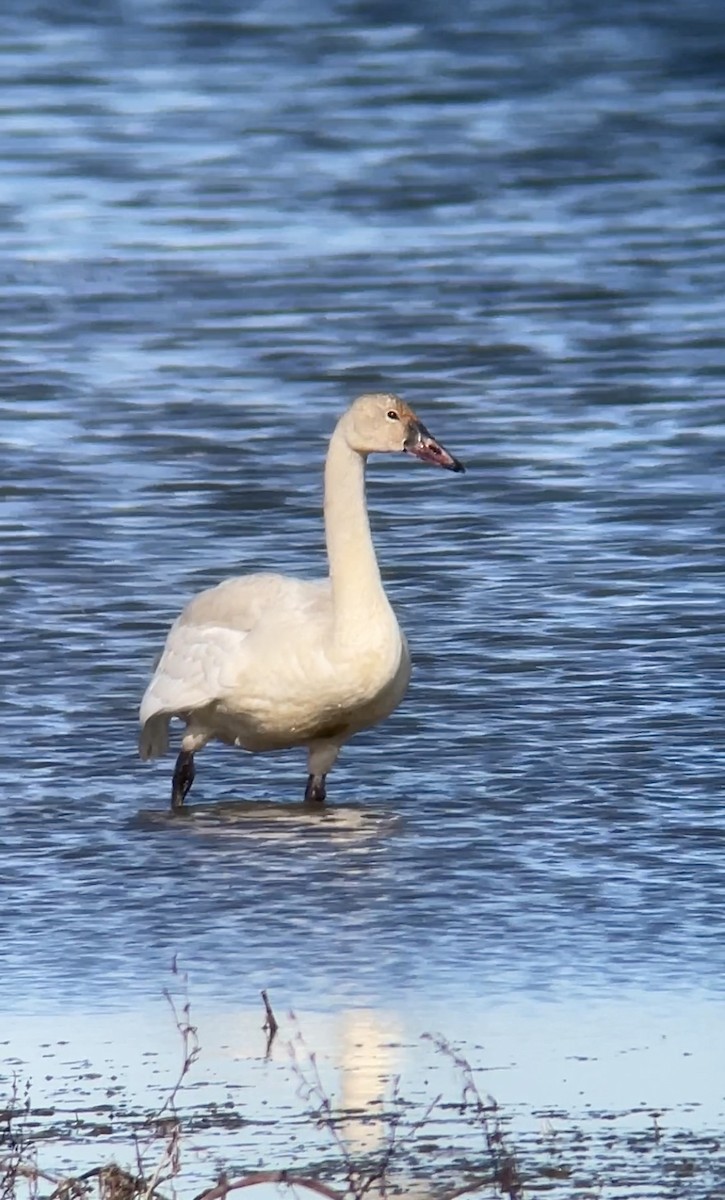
[154, 737]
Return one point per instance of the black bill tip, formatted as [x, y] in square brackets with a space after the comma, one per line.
[422, 445]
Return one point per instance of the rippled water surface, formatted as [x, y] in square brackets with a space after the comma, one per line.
[221, 222]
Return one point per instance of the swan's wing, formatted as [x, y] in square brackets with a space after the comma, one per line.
[197, 667]
[205, 646]
[243, 602]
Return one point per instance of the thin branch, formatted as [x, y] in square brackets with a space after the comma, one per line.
[467, 1189]
[311, 1091]
[255, 1178]
[26, 1169]
[72, 1185]
[503, 1161]
[270, 1024]
[395, 1144]
[190, 1047]
[271, 1021]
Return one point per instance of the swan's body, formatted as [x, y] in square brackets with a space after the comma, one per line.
[266, 661]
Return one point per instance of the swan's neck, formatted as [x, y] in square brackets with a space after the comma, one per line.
[358, 599]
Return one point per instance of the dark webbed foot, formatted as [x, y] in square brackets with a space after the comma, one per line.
[183, 778]
[315, 790]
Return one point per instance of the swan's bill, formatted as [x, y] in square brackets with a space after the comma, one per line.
[423, 445]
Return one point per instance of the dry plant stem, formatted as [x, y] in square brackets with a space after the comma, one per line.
[170, 1160]
[467, 1189]
[503, 1163]
[271, 1023]
[394, 1144]
[220, 1191]
[168, 1165]
[257, 1177]
[311, 1091]
[14, 1134]
[28, 1171]
[73, 1185]
[190, 1044]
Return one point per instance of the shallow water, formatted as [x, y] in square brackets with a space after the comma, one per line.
[623, 1100]
[218, 225]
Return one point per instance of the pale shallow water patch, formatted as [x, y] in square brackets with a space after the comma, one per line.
[624, 1094]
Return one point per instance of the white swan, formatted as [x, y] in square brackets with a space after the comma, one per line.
[266, 662]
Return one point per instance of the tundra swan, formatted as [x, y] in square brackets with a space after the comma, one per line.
[267, 662]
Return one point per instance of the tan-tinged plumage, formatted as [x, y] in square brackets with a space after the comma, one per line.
[266, 661]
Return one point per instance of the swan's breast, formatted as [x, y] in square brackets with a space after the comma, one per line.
[307, 693]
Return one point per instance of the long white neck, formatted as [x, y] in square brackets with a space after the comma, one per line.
[358, 598]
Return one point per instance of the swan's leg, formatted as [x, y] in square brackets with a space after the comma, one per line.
[194, 738]
[183, 778]
[315, 790]
[320, 757]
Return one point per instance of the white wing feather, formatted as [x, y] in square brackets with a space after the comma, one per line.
[204, 648]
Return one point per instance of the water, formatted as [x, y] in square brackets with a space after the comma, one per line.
[218, 224]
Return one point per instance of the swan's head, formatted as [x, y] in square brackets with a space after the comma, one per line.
[383, 423]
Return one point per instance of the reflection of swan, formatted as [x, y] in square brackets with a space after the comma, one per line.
[369, 1061]
[353, 1058]
[264, 661]
[271, 821]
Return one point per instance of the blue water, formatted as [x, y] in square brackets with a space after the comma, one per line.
[218, 224]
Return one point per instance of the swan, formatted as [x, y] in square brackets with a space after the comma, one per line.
[266, 661]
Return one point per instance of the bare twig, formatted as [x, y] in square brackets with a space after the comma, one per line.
[166, 1123]
[20, 1161]
[393, 1143]
[360, 1178]
[270, 1023]
[190, 1046]
[503, 1163]
[467, 1189]
[311, 1091]
[113, 1184]
[257, 1177]
[27, 1170]
[166, 1118]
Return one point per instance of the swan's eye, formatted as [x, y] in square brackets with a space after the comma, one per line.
[392, 415]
